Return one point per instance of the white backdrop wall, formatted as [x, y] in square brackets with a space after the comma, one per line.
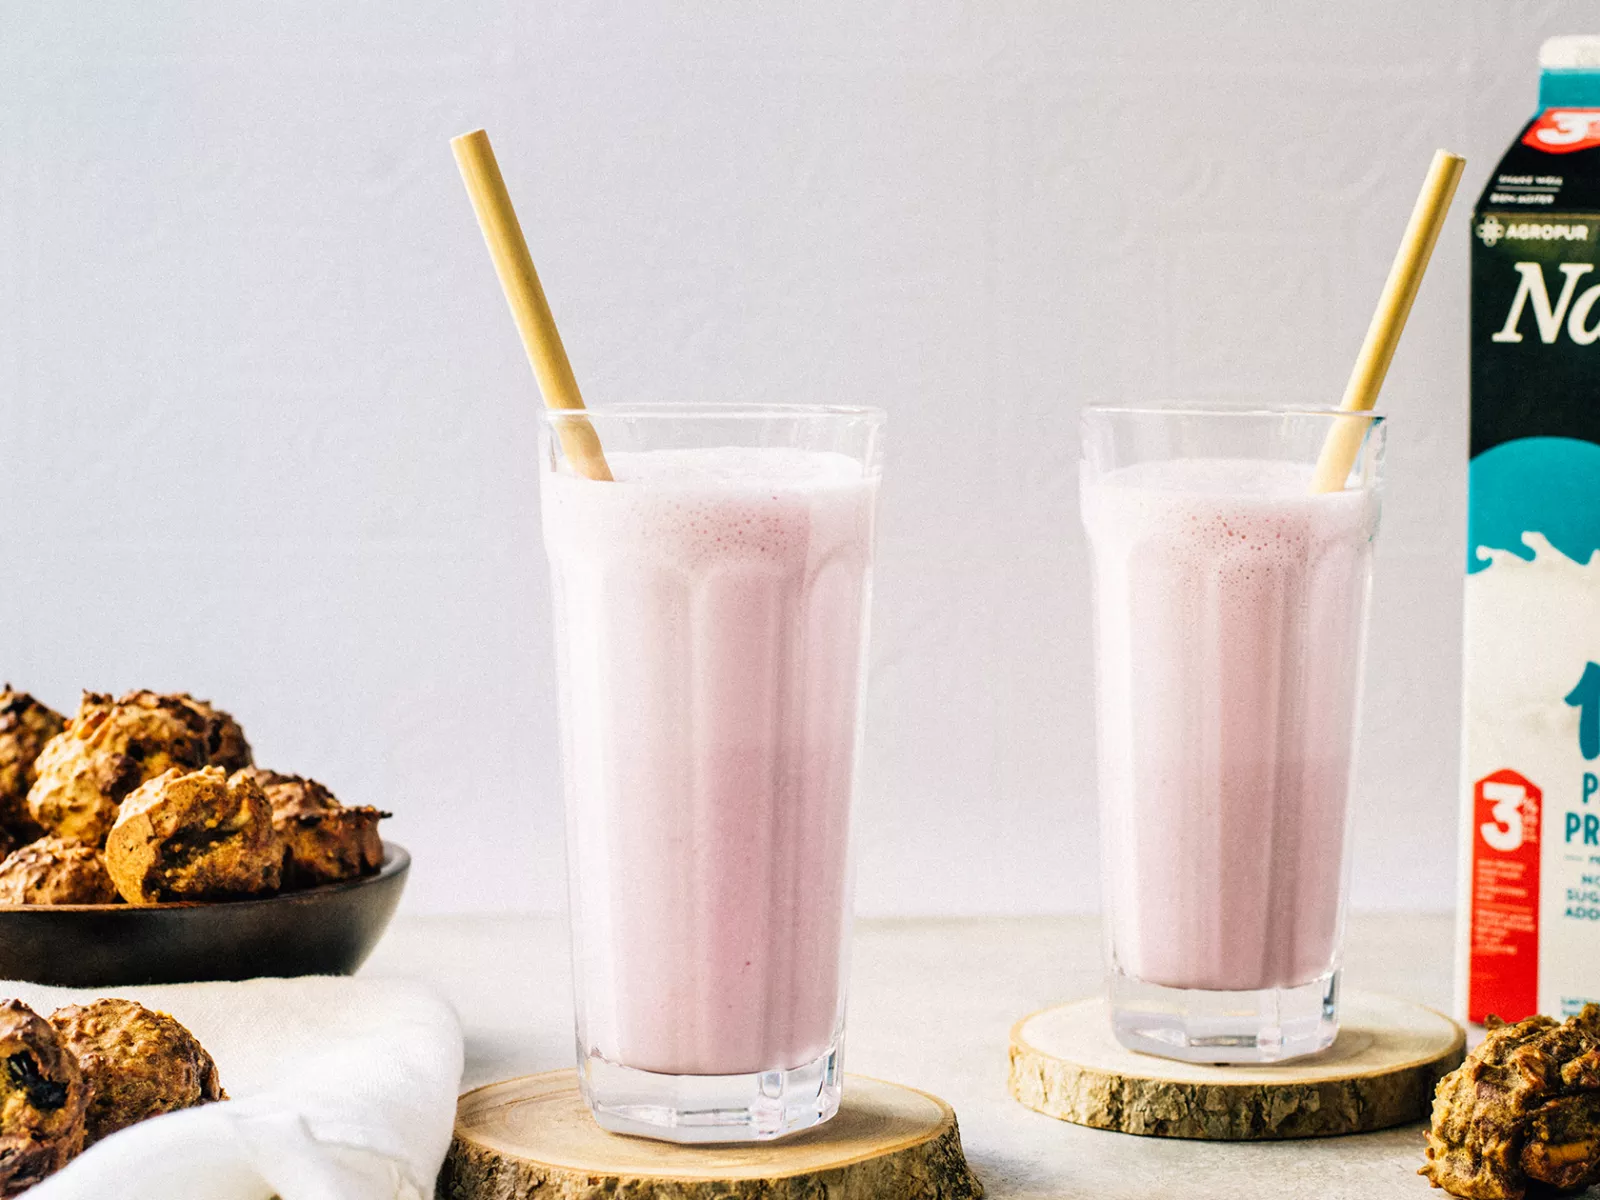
[266, 432]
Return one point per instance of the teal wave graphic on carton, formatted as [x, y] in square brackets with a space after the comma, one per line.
[1548, 484]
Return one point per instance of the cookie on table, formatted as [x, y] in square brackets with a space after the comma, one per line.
[44, 1099]
[25, 726]
[108, 749]
[56, 871]
[137, 1062]
[1522, 1114]
[194, 835]
[324, 841]
[226, 746]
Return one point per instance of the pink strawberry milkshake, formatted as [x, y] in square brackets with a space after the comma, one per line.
[711, 618]
[1230, 607]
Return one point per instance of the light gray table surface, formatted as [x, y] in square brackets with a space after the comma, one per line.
[931, 1004]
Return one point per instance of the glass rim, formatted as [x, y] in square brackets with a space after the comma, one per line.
[714, 410]
[1224, 409]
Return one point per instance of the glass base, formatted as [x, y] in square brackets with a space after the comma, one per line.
[698, 1109]
[1201, 1026]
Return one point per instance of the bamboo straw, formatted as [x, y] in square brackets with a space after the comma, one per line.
[1343, 442]
[503, 234]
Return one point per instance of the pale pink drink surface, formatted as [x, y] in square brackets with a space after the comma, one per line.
[1230, 608]
[711, 609]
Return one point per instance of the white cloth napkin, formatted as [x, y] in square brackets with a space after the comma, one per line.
[340, 1089]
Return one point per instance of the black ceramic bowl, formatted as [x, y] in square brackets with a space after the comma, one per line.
[326, 930]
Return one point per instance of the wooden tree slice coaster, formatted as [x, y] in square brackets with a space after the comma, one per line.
[533, 1137]
[1380, 1071]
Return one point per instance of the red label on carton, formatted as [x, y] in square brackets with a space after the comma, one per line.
[1504, 972]
[1563, 130]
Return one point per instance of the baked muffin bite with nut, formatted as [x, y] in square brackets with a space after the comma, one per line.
[138, 1063]
[25, 726]
[194, 835]
[1521, 1116]
[108, 749]
[324, 841]
[44, 1099]
[226, 746]
[55, 871]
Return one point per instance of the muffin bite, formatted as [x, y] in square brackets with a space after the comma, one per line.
[44, 1099]
[56, 871]
[108, 749]
[324, 841]
[25, 726]
[1521, 1115]
[226, 746]
[138, 1063]
[194, 835]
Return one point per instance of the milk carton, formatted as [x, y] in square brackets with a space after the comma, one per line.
[1530, 873]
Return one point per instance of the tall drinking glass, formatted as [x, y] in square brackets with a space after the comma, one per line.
[1230, 621]
[711, 606]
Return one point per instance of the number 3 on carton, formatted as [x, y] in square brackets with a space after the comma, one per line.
[1503, 831]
